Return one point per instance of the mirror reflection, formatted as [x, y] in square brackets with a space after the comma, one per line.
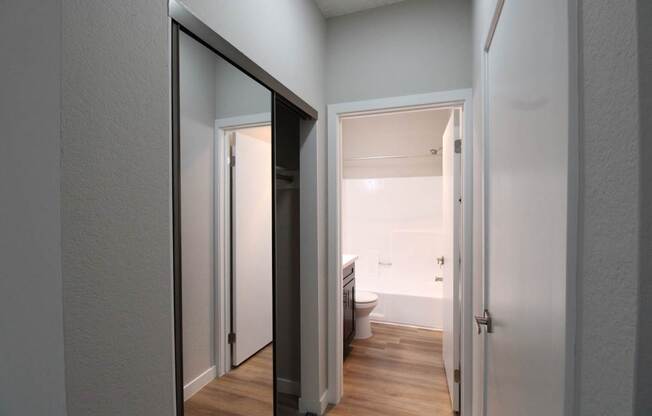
[226, 236]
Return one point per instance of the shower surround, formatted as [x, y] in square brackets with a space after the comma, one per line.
[394, 225]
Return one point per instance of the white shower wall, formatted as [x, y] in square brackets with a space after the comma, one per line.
[396, 221]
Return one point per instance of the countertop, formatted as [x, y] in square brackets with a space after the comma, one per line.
[348, 259]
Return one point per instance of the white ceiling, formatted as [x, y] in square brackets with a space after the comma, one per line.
[412, 132]
[332, 8]
[404, 133]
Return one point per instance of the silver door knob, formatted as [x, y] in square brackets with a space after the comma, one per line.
[485, 320]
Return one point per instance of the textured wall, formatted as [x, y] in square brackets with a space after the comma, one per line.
[407, 48]
[644, 347]
[116, 208]
[609, 211]
[31, 315]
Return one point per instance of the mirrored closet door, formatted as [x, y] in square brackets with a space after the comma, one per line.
[237, 135]
[227, 286]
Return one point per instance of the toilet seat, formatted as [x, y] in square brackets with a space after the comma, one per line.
[365, 297]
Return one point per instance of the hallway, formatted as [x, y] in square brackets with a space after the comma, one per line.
[397, 372]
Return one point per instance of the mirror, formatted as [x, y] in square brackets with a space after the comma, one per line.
[226, 199]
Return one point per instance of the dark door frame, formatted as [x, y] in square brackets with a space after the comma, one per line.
[184, 21]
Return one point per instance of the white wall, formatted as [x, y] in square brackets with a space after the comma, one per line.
[398, 221]
[287, 38]
[416, 46]
[198, 102]
[32, 378]
[116, 207]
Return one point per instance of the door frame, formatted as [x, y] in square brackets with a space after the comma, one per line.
[222, 232]
[462, 98]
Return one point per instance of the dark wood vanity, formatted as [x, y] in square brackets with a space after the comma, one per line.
[349, 306]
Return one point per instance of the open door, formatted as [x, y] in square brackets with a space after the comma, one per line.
[527, 142]
[450, 264]
[252, 287]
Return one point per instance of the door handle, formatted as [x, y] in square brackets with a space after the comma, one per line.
[485, 320]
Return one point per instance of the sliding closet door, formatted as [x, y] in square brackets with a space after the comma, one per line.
[236, 221]
[226, 279]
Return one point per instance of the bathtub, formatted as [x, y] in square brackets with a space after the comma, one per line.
[408, 310]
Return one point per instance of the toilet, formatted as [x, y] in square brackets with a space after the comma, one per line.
[365, 302]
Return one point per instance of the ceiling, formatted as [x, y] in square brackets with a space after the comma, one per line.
[410, 133]
[332, 8]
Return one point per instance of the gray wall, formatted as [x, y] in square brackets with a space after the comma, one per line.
[197, 93]
[609, 212]
[644, 347]
[116, 207]
[237, 94]
[289, 42]
[410, 47]
[31, 314]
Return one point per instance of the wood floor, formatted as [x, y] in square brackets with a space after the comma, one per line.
[245, 391]
[397, 372]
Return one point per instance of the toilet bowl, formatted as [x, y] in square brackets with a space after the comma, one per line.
[365, 302]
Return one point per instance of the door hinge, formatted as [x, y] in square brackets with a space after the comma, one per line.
[456, 375]
[231, 338]
[458, 146]
[232, 161]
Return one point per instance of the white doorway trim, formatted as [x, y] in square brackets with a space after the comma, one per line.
[461, 98]
[222, 232]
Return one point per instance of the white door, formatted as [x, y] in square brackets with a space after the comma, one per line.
[252, 245]
[527, 158]
[451, 193]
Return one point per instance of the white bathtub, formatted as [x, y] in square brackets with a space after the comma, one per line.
[408, 310]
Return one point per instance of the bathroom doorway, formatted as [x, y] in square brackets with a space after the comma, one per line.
[396, 168]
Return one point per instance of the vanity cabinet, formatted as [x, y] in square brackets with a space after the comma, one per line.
[348, 307]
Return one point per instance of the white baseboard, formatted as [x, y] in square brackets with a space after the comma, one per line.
[199, 382]
[286, 386]
[312, 406]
